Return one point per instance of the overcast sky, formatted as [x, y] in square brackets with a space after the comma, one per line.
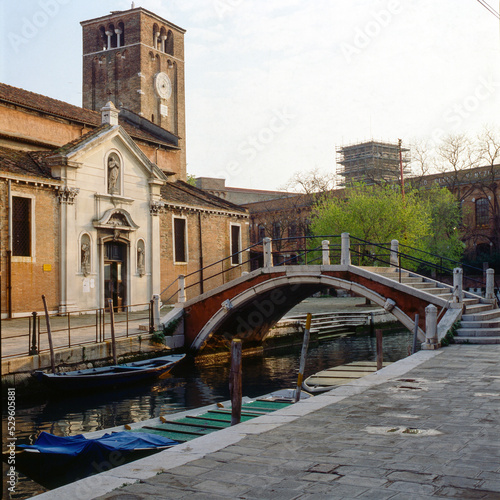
[274, 86]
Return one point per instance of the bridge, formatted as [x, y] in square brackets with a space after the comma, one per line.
[248, 306]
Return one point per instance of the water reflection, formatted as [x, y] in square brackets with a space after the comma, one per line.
[191, 386]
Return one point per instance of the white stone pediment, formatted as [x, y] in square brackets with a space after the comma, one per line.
[116, 218]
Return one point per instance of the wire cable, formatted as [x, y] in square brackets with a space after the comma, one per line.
[489, 8]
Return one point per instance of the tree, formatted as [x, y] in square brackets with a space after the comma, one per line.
[379, 214]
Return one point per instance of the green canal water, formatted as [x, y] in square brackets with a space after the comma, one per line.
[189, 386]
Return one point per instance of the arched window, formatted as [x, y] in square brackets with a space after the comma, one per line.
[482, 212]
[102, 39]
[163, 39]
[120, 33]
[169, 43]
[261, 232]
[112, 36]
[156, 36]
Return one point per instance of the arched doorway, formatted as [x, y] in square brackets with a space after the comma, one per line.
[115, 273]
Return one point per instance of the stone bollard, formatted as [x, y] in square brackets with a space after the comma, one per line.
[345, 253]
[490, 284]
[325, 244]
[156, 311]
[268, 252]
[430, 327]
[458, 280]
[181, 295]
[395, 253]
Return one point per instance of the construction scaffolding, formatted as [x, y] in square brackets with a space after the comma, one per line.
[372, 163]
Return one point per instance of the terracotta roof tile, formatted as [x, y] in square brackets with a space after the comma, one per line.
[63, 109]
[27, 163]
[184, 194]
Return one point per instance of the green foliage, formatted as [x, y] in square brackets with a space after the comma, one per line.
[425, 220]
[444, 238]
[377, 214]
[191, 179]
[170, 327]
[449, 338]
[157, 338]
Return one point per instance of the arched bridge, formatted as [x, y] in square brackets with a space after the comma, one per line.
[248, 306]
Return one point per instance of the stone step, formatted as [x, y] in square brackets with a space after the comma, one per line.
[436, 290]
[480, 324]
[477, 340]
[478, 332]
[423, 284]
[478, 308]
[486, 315]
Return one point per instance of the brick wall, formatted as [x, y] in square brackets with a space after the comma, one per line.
[38, 274]
[215, 245]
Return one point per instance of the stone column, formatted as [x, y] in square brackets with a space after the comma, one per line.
[345, 255]
[490, 284]
[118, 34]
[430, 327]
[109, 34]
[181, 295]
[326, 252]
[458, 279]
[394, 253]
[268, 252]
[156, 311]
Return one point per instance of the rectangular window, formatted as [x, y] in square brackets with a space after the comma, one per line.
[180, 253]
[482, 212]
[235, 245]
[21, 226]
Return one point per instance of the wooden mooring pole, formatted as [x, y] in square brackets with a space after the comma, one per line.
[49, 335]
[235, 381]
[303, 356]
[380, 353]
[415, 335]
[112, 325]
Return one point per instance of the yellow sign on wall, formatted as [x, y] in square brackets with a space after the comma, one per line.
[47, 267]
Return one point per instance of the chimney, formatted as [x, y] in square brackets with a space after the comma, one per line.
[109, 114]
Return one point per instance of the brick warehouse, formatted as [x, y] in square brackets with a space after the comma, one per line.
[94, 199]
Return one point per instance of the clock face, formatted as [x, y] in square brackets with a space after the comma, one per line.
[163, 85]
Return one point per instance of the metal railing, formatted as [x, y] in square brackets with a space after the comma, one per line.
[76, 328]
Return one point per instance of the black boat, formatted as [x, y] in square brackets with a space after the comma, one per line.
[107, 376]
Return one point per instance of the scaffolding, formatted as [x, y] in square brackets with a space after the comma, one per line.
[371, 162]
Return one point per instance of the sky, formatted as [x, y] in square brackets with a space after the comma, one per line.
[273, 87]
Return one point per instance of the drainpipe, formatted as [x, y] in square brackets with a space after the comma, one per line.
[201, 252]
[9, 252]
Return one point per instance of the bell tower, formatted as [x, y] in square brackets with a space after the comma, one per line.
[135, 59]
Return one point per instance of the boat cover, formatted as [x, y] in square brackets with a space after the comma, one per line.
[117, 441]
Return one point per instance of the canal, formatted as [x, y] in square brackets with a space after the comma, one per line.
[190, 385]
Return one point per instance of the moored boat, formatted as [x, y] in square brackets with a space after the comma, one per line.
[327, 379]
[107, 376]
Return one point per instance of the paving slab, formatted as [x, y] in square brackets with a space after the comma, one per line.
[398, 437]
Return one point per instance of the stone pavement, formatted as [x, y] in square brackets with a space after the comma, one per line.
[427, 426]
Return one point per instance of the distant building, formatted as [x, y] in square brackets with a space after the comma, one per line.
[371, 162]
[240, 196]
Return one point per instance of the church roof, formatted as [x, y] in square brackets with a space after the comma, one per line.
[61, 109]
[183, 194]
[25, 163]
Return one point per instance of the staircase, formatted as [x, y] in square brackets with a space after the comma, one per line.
[480, 323]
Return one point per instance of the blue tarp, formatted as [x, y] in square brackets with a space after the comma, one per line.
[117, 441]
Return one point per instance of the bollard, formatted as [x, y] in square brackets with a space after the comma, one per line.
[430, 327]
[235, 381]
[325, 244]
[380, 348]
[33, 349]
[303, 356]
[268, 252]
[181, 295]
[394, 253]
[490, 284]
[156, 311]
[458, 280]
[345, 253]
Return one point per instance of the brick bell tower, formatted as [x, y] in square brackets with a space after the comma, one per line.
[135, 59]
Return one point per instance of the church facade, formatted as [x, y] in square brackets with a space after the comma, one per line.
[94, 200]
